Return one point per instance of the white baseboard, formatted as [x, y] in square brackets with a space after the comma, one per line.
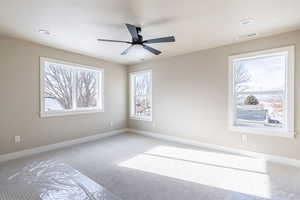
[28, 152]
[266, 157]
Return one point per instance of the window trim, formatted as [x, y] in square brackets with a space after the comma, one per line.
[78, 111]
[287, 131]
[131, 97]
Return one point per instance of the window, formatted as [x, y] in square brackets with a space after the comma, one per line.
[68, 88]
[261, 92]
[141, 95]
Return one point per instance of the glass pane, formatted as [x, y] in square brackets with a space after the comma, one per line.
[57, 87]
[260, 74]
[143, 94]
[143, 106]
[87, 89]
[142, 84]
[260, 109]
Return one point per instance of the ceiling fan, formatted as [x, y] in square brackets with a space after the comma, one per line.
[137, 39]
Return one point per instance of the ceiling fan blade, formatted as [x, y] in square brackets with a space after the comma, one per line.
[104, 40]
[133, 31]
[160, 40]
[126, 50]
[152, 50]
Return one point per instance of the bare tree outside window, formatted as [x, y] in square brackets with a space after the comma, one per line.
[87, 90]
[142, 92]
[141, 95]
[242, 77]
[58, 86]
[68, 88]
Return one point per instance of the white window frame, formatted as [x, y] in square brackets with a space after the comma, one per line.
[74, 110]
[288, 129]
[132, 98]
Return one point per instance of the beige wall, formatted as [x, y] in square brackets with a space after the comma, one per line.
[190, 97]
[19, 98]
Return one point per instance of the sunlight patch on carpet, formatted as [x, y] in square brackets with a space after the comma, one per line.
[224, 171]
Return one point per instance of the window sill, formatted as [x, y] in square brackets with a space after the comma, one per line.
[146, 119]
[66, 113]
[263, 131]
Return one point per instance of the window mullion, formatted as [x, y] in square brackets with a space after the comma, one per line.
[262, 92]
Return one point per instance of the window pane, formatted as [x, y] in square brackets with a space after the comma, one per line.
[142, 84]
[142, 94]
[142, 106]
[260, 109]
[57, 87]
[260, 74]
[87, 88]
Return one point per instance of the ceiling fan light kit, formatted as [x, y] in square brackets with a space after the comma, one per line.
[137, 39]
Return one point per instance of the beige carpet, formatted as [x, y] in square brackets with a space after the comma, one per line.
[139, 168]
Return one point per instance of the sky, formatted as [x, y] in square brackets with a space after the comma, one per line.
[267, 73]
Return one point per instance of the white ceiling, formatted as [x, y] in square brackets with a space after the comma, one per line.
[197, 24]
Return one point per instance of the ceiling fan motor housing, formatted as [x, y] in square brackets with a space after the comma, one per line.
[140, 39]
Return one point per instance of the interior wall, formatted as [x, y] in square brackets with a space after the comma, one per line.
[190, 97]
[20, 98]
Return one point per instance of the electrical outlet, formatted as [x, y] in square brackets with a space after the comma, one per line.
[244, 139]
[111, 124]
[17, 139]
